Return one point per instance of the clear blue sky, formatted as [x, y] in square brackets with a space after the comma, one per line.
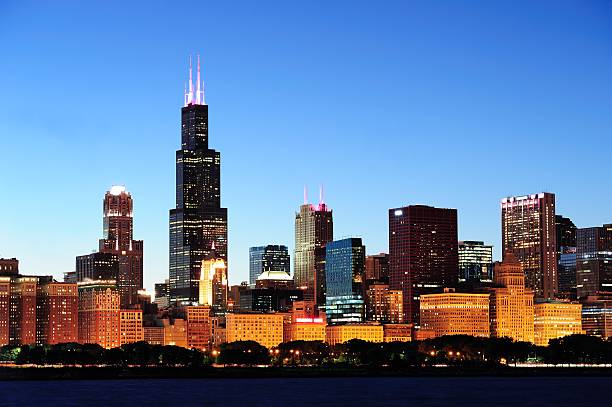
[452, 104]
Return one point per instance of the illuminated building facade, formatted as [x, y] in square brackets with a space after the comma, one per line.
[556, 319]
[9, 266]
[383, 305]
[198, 220]
[97, 266]
[270, 258]
[305, 329]
[198, 327]
[597, 316]
[314, 228]
[397, 332]
[511, 307]
[153, 335]
[269, 299]
[17, 309]
[265, 329]
[452, 313]
[370, 332]
[529, 231]
[213, 288]
[566, 256]
[344, 273]
[175, 332]
[422, 253]
[99, 306]
[57, 311]
[118, 228]
[162, 294]
[130, 326]
[594, 260]
[475, 260]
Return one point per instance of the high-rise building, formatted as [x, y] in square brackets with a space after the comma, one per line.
[9, 266]
[344, 273]
[213, 288]
[57, 311]
[566, 256]
[314, 227]
[556, 319]
[198, 327]
[162, 294]
[475, 260]
[97, 266]
[511, 306]
[118, 240]
[377, 268]
[422, 253]
[99, 306]
[452, 313]
[594, 260]
[529, 231]
[270, 258]
[198, 220]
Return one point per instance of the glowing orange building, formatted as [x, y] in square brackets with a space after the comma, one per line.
[369, 331]
[266, 329]
[452, 313]
[57, 313]
[130, 326]
[175, 332]
[397, 332]
[99, 306]
[511, 303]
[556, 319]
[198, 326]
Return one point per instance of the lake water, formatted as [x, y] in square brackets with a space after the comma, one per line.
[440, 391]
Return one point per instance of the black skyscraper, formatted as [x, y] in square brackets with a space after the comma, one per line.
[198, 220]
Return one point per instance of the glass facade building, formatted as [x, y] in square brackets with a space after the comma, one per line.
[198, 222]
[475, 260]
[268, 258]
[344, 275]
[594, 260]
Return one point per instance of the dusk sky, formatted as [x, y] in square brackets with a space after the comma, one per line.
[450, 104]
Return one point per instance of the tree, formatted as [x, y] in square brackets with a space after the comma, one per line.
[247, 353]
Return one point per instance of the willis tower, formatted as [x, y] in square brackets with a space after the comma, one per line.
[198, 223]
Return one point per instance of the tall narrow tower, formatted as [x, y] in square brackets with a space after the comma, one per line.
[314, 227]
[198, 220]
[117, 240]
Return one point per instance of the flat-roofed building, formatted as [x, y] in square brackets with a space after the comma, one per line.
[452, 313]
[305, 329]
[99, 306]
[57, 312]
[397, 332]
[370, 332]
[175, 332]
[130, 326]
[556, 319]
[265, 329]
[597, 316]
[198, 327]
[153, 335]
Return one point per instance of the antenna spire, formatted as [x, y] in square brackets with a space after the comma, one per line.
[198, 94]
[305, 195]
[190, 97]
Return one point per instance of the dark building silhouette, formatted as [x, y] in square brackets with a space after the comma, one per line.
[594, 260]
[528, 230]
[423, 255]
[268, 258]
[377, 267]
[9, 266]
[198, 219]
[566, 256]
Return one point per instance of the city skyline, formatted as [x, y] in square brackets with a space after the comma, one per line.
[71, 158]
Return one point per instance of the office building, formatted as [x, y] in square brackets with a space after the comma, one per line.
[511, 306]
[304, 329]
[213, 288]
[17, 308]
[566, 256]
[198, 220]
[269, 299]
[556, 319]
[265, 329]
[594, 260]
[271, 259]
[130, 326]
[57, 309]
[9, 266]
[370, 332]
[199, 327]
[529, 231]
[597, 315]
[162, 294]
[377, 268]
[314, 228]
[397, 332]
[99, 317]
[452, 313]
[344, 273]
[475, 260]
[423, 255]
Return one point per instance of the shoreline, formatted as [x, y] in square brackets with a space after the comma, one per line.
[113, 373]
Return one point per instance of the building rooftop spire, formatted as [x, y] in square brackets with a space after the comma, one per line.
[195, 96]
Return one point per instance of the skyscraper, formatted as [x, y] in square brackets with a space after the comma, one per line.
[594, 260]
[344, 274]
[566, 256]
[268, 258]
[198, 220]
[422, 253]
[475, 260]
[314, 227]
[528, 230]
[118, 241]
[213, 288]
